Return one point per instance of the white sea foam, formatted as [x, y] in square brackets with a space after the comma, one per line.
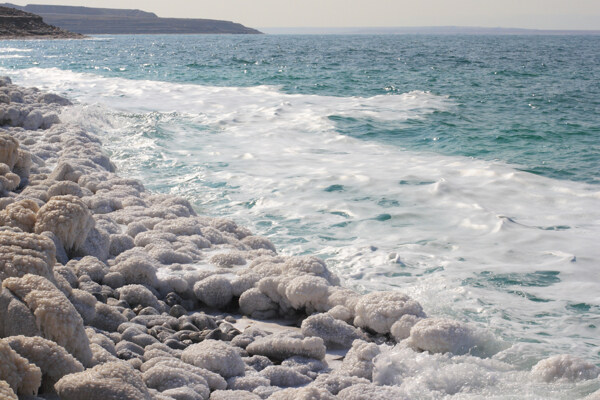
[472, 239]
[442, 376]
[14, 50]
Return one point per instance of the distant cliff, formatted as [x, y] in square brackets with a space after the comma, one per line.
[89, 20]
[19, 24]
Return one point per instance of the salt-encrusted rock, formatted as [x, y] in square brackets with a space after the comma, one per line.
[305, 393]
[214, 291]
[147, 238]
[139, 337]
[138, 295]
[61, 254]
[100, 355]
[292, 266]
[96, 244]
[103, 203]
[9, 150]
[53, 360]
[5, 201]
[127, 350]
[161, 378]
[56, 318]
[215, 356]
[228, 260]
[258, 363]
[9, 181]
[51, 98]
[85, 304]
[335, 333]
[257, 305]
[137, 270]
[286, 345]
[100, 338]
[441, 335]
[6, 391]
[214, 380]
[249, 382]
[309, 292]
[233, 395]
[88, 285]
[372, 392]
[229, 226]
[153, 320]
[16, 317]
[380, 310]
[68, 218]
[107, 318]
[62, 188]
[64, 171]
[258, 242]
[33, 120]
[113, 380]
[341, 313]
[282, 376]
[21, 214]
[120, 243]
[359, 360]
[334, 383]
[564, 367]
[22, 377]
[181, 226]
[23, 166]
[180, 393]
[90, 266]
[401, 328]
[22, 253]
[306, 366]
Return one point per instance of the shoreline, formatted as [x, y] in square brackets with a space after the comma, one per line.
[74, 231]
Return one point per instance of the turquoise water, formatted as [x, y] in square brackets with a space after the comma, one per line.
[531, 101]
[462, 170]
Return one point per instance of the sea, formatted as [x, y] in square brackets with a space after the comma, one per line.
[462, 170]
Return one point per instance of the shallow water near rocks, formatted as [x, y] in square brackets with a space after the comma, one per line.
[463, 176]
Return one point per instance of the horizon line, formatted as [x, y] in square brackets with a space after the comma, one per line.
[429, 27]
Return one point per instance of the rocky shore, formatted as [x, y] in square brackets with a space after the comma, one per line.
[110, 291]
[17, 24]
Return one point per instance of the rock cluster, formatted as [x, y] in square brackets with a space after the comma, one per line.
[109, 291]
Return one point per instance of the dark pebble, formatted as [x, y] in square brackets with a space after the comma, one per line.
[215, 334]
[127, 354]
[203, 321]
[258, 362]
[177, 311]
[196, 337]
[101, 297]
[148, 311]
[173, 299]
[188, 326]
[108, 291]
[123, 303]
[159, 328]
[175, 344]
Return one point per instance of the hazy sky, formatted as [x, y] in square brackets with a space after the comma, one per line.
[540, 14]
